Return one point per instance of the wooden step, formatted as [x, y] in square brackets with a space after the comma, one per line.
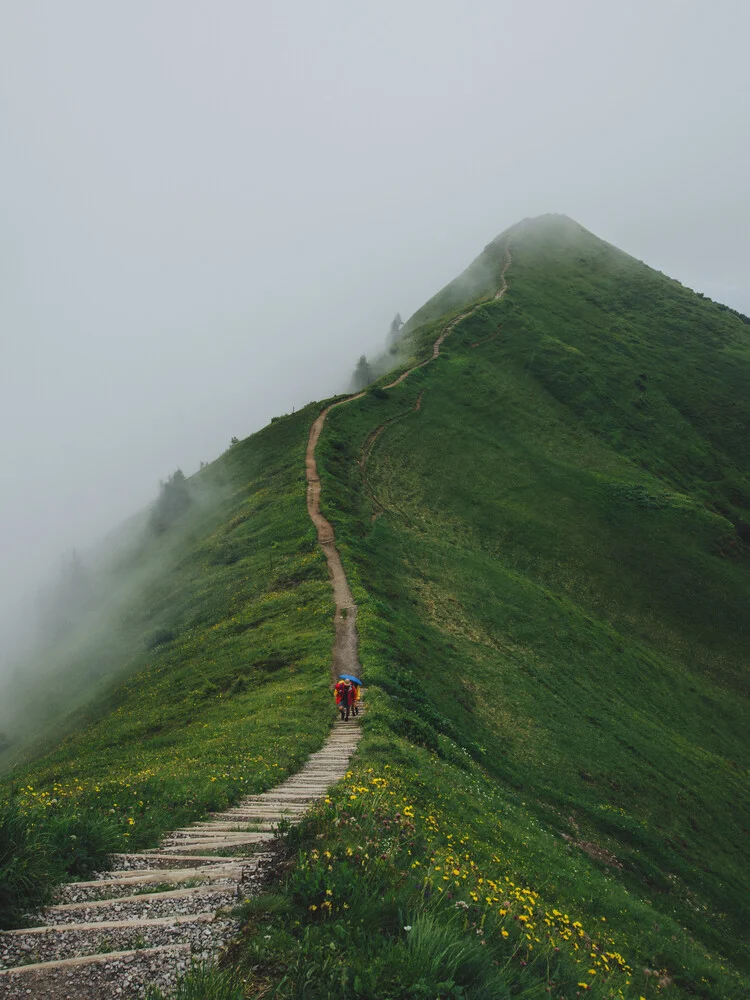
[151, 859]
[230, 826]
[197, 899]
[228, 836]
[202, 931]
[128, 883]
[97, 977]
[157, 907]
[201, 843]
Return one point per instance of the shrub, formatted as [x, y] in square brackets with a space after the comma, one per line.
[27, 871]
[204, 981]
[81, 843]
[159, 637]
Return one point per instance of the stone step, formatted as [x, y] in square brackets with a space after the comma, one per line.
[127, 884]
[314, 778]
[303, 801]
[202, 931]
[341, 758]
[334, 769]
[134, 862]
[317, 786]
[199, 899]
[257, 816]
[97, 977]
[279, 795]
[318, 778]
[296, 798]
[341, 734]
[261, 804]
[285, 796]
[250, 861]
[220, 843]
[230, 825]
[336, 758]
[148, 902]
[158, 874]
[312, 791]
[244, 837]
[263, 813]
[337, 761]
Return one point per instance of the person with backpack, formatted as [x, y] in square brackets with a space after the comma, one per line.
[342, 692]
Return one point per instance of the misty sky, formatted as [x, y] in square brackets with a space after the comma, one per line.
[209, 210]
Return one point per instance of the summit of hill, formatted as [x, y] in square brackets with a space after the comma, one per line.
[544, 518]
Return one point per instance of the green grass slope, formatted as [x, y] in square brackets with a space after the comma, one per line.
[220, 684]
[553, 601]
[548, 545]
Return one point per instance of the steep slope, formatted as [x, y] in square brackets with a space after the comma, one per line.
[543, 528]
[225, 639]
[559, 579]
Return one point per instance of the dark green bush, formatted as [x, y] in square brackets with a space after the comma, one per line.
[81, 843]
[204, 981]
[28, 872]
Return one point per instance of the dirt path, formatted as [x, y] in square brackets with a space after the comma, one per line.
[345, 659]
[141, 924]
[498, 295]
[376, 434]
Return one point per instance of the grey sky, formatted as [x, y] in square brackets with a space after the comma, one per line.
[208, 210]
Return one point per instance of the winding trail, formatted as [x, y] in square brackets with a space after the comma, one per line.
[345, 658]
[498, 295]
[375, 435]
[140, 924]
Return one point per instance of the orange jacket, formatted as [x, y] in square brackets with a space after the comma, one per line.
[340, 691]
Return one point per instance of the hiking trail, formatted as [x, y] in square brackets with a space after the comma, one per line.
[141, 924]
[373, 437]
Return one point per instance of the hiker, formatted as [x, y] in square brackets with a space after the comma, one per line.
[352, 696]
[341, 692]
[357, 695]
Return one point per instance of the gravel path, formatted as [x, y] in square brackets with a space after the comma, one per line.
[141, 923]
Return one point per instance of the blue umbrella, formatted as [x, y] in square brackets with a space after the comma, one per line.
[350, 677]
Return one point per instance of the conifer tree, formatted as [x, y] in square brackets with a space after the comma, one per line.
[363, 374]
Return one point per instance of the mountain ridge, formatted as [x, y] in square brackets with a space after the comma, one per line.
[551, 590]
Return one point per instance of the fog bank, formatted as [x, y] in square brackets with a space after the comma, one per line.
[209, 212]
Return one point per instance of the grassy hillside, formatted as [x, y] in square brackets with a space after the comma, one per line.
[220, 683]
[548, 545]
[553, 599]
